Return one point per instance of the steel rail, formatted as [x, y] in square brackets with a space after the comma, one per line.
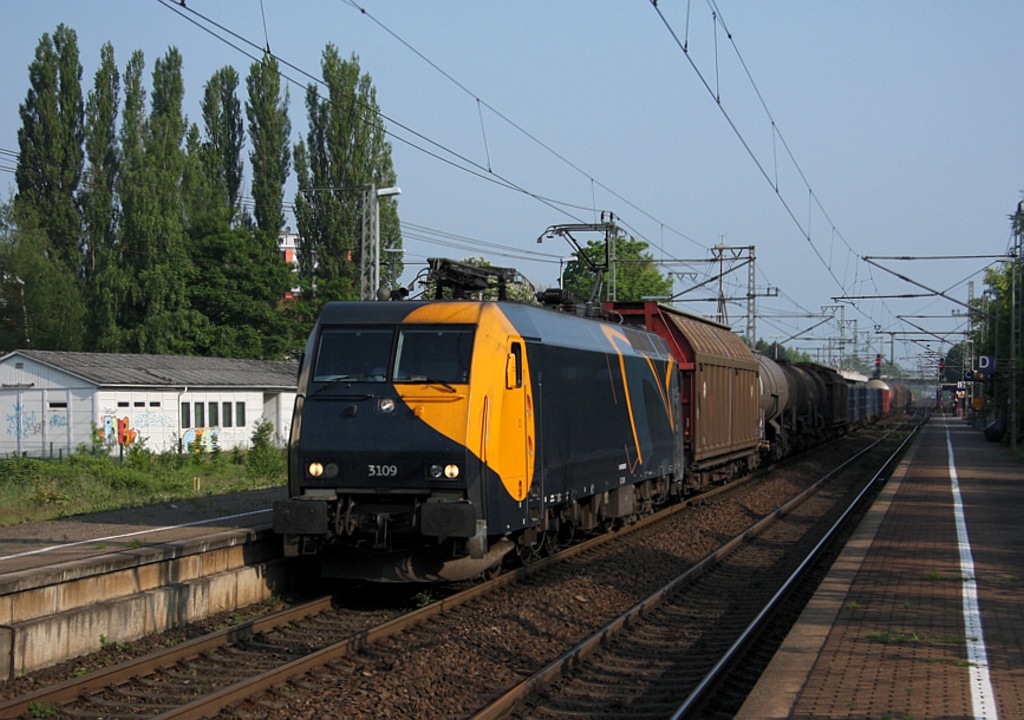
[515, 699]
[73, 688]
[709, 680]
[208, 705]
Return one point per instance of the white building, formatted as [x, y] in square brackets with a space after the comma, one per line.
[50, 402]
[288, 246]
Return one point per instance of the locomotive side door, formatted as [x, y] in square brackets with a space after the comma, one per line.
[516, 422]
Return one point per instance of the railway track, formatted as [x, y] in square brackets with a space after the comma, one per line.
[660, 658]
[441, 660]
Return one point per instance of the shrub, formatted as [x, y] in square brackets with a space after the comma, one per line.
[264, 460]
[21, 472]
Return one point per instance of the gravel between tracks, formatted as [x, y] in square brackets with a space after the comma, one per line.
[491, 646]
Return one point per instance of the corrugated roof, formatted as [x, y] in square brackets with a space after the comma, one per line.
[159, 370]
[712, 339]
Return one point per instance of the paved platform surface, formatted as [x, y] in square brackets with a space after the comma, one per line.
[97, 537]
[922, 616]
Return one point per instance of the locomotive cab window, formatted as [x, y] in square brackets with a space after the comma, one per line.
[434, 355]
[514, 367]
[353, 354]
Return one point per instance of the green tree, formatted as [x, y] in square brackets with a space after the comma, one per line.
[244, 279]
[632, 273]
[225, 134]
[156, 316]
[97, 198]
[50, 145]
[993, 335]
[204, 192]
[269, 132]
[42, 306]
[346, 149]
[101, 151]
[117, 296]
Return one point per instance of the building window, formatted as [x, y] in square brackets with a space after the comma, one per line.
[226, 420]
[186, 415]
[123, 403]
[140, 403]
[239, 414]
[200, 415]
[214, 419]
[154, 403]
[58, 405]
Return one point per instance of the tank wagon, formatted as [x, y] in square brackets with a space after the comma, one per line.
[805, 404]
[777, 417]
[431, 439]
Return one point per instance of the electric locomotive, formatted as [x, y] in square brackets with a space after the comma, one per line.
[432, 439]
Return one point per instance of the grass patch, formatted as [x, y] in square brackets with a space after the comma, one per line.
[888, 638]
[32, 490]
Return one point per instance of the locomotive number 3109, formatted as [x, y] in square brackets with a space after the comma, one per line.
[382, 470]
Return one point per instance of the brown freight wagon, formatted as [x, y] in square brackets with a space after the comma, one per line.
[719, 391]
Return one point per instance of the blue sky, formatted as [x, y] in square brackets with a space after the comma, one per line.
[906, 122]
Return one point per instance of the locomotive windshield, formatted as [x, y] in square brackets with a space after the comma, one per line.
[433, 355]
[412, 354]
[358, 354]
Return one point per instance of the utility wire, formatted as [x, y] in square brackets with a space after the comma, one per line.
[813, 200]
[519, 128]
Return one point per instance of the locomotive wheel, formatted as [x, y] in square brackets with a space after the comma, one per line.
[530, 550]
[550, 544]
[566, 534]
[494, 572]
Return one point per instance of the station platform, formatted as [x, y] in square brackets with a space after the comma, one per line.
[137, 532]
[69, 586]
[921, 615]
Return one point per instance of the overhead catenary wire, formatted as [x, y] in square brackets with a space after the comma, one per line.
[814, 201]
[833, 259]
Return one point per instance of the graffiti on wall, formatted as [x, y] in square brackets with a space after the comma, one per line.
[23, 423]
[125, 430]
[117, 431]
[200, 439]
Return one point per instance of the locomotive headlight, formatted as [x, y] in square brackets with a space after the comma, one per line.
[315, 469]
[386, 405]
[449, 471]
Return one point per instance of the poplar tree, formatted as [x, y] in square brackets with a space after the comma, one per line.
[269, 132]
[101, 152]
[40, 257]
[115, 305]
[225, 135]
[346, 148]
[156, 317]
[50, 146]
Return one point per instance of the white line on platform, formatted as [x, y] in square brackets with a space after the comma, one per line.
[64, 546]
[977, 657]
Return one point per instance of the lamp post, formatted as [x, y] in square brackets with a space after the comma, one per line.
[369, 263]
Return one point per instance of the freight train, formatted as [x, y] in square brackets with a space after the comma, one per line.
[435, 440]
